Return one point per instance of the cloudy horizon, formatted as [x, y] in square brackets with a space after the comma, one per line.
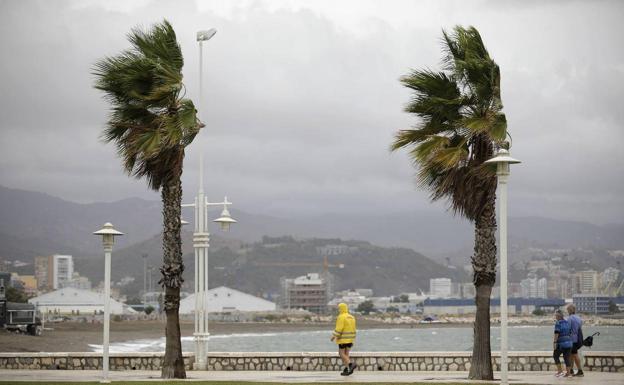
[302, 98]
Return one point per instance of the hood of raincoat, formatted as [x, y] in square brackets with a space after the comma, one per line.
[343, 308]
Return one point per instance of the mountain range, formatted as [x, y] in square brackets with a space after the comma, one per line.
[37, 223]
[34, 223]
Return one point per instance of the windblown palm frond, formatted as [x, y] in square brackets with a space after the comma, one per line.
[149, 122]
[460, 122]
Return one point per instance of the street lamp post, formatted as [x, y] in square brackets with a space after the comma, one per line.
[201, 237]
[502, 161]
[108, 234]
[201, 241]
[203, 36]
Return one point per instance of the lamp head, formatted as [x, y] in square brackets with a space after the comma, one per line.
[206, 35]
[225, 220]
[502, 160]
[108, 234]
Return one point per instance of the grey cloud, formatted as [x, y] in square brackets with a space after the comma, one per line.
[300, 109]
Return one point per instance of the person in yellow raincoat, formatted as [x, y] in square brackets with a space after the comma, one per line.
[344, 336]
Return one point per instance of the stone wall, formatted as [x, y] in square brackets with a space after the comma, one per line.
[86, 361]
[370, 361]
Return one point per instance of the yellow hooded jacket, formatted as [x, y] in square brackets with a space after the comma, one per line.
[345, 326]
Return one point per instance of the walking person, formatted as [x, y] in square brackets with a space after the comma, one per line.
[344, 335]
[576, 324]
[562, 344]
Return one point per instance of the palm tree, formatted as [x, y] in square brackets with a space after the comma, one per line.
[151, 124]
[461, 123]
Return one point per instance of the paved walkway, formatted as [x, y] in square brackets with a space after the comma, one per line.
[591, 378]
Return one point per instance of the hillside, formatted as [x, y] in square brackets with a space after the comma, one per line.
[258, 267]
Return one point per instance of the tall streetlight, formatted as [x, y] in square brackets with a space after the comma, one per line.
[108, 234]
[201, 241]
[203, 36]
[201, 236]
[502, 161]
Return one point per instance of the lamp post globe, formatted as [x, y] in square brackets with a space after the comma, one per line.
[225, 220]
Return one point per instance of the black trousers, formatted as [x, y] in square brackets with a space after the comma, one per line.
[566, 355]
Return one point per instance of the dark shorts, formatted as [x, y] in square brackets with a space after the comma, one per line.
[345, 346]
[566, 356]
[576, 347]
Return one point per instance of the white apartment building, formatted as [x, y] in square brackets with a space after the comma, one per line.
[63, 270]
[440, 287]
[533, 287]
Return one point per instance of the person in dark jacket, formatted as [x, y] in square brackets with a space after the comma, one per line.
[562, 344]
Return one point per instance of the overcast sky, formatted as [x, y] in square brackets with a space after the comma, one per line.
[302, 99]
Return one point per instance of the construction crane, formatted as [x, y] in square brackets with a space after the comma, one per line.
[606, 289]
[619, 289]
[325, 264]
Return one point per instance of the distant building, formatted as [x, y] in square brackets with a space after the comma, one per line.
[382, 304]
[44, 272]
[365, 292]
[63, 269]
[309, 292]
[54, 271]
[416, 298]
[537, 264]
[533, 287]
[559, 284]
[591, 303]
[440, 287]
[587, 281]
[77, 302]
[468, 290]
[224, 299]
[610, 274]
[467, 306]
[351, 298]
[79, 282]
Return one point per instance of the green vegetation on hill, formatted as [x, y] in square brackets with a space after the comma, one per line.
[256, 268]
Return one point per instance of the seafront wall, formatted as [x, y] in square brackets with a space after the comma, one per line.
[314, 361]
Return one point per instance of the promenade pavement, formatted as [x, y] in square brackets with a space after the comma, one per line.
[537, 378]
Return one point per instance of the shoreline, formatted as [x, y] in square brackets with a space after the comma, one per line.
[77, 336]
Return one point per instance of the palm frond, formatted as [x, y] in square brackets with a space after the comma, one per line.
[149, 123]
[460, 119]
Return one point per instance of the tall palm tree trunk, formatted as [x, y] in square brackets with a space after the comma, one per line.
[484, 267]
[173, 266]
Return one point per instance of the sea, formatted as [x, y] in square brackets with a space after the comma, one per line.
[521, 338]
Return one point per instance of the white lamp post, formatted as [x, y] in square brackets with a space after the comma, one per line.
[203, 36]
[201, 240]
[108, 234]
[502, 161]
